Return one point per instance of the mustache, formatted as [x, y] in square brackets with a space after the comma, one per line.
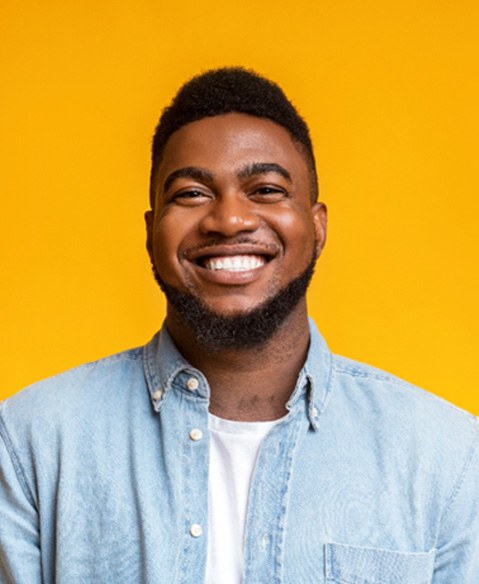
[274, 247]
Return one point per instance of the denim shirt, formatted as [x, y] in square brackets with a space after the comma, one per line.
[367, 480]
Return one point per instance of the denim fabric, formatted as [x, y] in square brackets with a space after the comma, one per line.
[367, 480]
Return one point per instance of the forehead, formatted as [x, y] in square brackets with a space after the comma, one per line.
[227, 142]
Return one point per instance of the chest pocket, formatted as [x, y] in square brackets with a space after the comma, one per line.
[347, 564]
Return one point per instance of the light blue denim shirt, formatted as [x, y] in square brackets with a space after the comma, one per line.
[367, 480]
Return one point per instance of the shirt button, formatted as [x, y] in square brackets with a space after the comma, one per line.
[157, 394]
[196, 530]
[192, 384]
[196, 434]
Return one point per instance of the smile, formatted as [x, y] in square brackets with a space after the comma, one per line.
[236, 263]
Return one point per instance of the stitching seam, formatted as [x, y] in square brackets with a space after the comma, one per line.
[17, 466]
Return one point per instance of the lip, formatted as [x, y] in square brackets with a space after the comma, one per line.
[230, 277]
[223, 250]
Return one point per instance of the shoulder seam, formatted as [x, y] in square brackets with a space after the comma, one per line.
[129, 355]
[17, 465]
[370, 374]
[465, 468]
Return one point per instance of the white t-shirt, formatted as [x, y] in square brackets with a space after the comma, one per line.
[234, 448]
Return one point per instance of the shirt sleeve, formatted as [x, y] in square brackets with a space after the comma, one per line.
[457, 555]
[20, 560]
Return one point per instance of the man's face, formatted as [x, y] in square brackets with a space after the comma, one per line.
[233, 222]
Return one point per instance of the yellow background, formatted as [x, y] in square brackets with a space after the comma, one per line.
[390, 90]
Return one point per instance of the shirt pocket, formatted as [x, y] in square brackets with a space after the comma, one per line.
[347, 564]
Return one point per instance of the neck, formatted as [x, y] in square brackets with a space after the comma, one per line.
[254, 383]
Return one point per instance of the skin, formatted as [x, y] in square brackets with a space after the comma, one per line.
[237, 185]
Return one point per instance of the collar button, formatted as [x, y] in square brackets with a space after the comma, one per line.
[158, 394]
[192, 384]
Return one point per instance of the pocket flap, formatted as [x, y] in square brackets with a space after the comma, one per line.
[346, 564]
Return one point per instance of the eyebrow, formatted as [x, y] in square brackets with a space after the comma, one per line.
[256, 168]
[194, 172]
[248, 171]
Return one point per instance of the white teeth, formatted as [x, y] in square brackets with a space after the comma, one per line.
[240, 263]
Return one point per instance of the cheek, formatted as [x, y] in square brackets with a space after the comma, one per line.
[166, 241]
[296, 229]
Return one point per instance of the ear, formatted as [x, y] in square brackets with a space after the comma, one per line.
[320, 219]
[149, 217]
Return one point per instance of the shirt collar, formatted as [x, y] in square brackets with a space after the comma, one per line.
[314, 378]
[164, 365]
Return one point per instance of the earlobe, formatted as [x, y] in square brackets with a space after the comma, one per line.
[320, 218]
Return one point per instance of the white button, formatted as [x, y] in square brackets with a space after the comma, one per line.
[196, 530]
[157, 394]
[192, 384]
[314, 412]
[196, 434]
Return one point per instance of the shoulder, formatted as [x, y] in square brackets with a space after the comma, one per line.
[71, 419]
[84, 377]
[417, 419]
[87, 388]
[376, 384]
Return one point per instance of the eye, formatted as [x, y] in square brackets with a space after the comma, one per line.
[190, 197]
[268, 194]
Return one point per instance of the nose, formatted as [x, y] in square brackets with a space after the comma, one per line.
[229, 215]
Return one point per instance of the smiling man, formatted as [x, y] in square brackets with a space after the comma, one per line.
[233, 237]
[234, 447]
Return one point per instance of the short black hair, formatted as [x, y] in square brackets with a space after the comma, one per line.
[227, 90]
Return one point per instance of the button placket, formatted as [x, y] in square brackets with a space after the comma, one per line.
[194, 434]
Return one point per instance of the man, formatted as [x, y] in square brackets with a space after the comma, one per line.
[234, 447]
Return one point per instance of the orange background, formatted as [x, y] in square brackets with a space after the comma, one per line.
[390, 91]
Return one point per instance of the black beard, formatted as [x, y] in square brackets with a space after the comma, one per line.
[238, 331]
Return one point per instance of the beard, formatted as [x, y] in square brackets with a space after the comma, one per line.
[237, 331]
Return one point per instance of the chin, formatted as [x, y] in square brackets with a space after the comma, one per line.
[240, 326]
[233, 308]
